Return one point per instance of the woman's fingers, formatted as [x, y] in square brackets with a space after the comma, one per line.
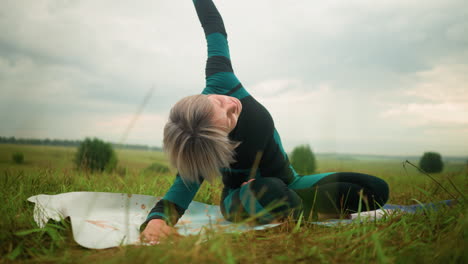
[165, 232]
[149, 238]
[156, 231]
[173, 232]
[170, 231]
[244, 183]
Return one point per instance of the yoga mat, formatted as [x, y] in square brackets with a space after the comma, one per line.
[103, 220]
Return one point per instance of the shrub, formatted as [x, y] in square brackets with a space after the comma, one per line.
[431, 162]
[303, 160]
[158, 168]
[17, 157]
[121, 171]
[95, 155]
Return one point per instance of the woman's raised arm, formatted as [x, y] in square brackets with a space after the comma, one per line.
[220, 78]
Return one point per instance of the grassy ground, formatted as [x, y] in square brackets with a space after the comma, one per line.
[433, 237]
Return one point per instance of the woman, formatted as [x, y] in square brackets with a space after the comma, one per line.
[226, 131]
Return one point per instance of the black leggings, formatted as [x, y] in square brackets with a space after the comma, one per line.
[268, 199]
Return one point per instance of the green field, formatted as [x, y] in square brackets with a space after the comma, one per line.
[432, 237]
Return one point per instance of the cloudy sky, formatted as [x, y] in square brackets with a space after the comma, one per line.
[346, 76]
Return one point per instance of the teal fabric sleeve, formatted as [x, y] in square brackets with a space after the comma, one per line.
[306, 181]
[220, 77]
[182, 193]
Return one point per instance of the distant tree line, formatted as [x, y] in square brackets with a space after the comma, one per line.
[67, 143]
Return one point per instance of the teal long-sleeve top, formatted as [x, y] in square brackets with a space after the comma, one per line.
[255, 127]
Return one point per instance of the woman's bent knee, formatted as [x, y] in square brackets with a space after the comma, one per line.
[265, 199]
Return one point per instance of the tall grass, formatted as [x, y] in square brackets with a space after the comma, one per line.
[429, 237]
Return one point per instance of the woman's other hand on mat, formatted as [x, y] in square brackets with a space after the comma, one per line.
[247, 182]
[155, 231]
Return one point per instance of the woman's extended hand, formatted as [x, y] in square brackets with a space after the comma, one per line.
[247, 182]
[156, 230]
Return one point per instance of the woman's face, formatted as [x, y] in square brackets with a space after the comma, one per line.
[226, 111]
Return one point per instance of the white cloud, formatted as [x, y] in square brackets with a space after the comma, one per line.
[438, 97]
[341, 75]
[443, 83]
[143, 128]
[317, 114]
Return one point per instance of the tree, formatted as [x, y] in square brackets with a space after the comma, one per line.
[17, 157]
[431, 162]
[303, 160]
[157, 168]
[95, 155]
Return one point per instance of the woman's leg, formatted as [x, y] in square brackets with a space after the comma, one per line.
[265, 199]
[344, 193]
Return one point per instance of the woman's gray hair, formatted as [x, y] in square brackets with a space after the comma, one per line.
[194, 145]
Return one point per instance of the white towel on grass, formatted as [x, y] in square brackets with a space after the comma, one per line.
[103, 220]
